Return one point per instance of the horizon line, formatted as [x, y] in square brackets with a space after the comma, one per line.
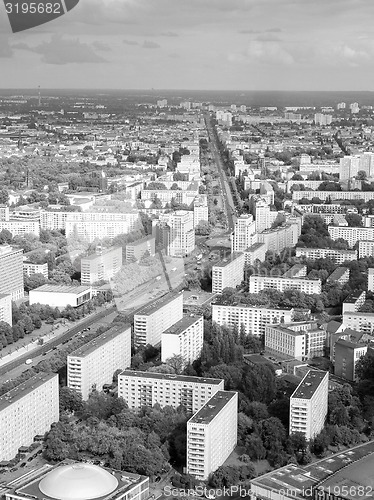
[179, 90]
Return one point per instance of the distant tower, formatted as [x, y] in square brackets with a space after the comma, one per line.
[39, 97]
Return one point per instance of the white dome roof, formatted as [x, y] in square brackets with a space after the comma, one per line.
[78, 481]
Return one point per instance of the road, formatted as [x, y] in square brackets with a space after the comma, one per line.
[5, 369]
[228, 201]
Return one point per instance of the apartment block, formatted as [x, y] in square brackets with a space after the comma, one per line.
[244, 234]
[29, 269]
[6, 308]
[182, 233]
[256, 252]
[200, 209]
[147, 389]
[333, 195]
[296, 271]
[53, 219]
[92, 365]
[308, 404]
[154, 318]
[340, 275]
[354, 301]
[228, 273]
[253, 318]
[300, 340]
[264, 216]
[258, 283]
[184, 338]
[26, 411]
[103, 265]
[347, 354]
[21, 227]
[138, 249]
[212, 434]
[366, 249]
[362, 322]
[11, 272]
[351, 234]
[371, 279]
[281, 237]
[338, 256]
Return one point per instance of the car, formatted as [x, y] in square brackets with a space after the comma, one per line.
[28, 361]
[13, 469]
[158, 479]
[23, 465]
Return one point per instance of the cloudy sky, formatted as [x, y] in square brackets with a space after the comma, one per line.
[196, 44]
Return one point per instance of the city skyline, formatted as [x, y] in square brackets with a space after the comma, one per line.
[245, 44]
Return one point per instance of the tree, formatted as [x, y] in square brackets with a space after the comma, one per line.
[176, 362]
[354, 220]
[4, 196]
[70, 400]
[254, 447]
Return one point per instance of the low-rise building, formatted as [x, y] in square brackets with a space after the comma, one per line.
[360, 321]
[60, 295]
[212, 434]
[338, 256]
[147, 389]
[259, 283]
[29, 268]
[340, 275]
[347, 354]
[184, 338]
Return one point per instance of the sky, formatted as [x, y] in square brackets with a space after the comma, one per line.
[195, 44]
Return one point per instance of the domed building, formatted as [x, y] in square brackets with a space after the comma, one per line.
[79, 481]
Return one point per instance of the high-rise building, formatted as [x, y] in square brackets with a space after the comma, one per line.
[184, 338]
[138, 249]
[26, 411]
[264, 216]
[349, 167]
[101, 266]
[308, 404]
[93, 364]
[6, 308]
[228, 273]
[11, 272]
[154, 318]
[212, 434]
[371, 279]
[182, 234]
[147, 389]
[322, 119]
[200, 209]
[244, 233]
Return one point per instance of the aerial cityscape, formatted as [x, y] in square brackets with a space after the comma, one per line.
[186, 275]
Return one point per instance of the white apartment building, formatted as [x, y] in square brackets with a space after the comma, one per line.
[365, 249]
[11, 272]
[371, 279]
[338, 256]
[264, 217]
[253, 318]
[100, 225]
[200, 209]
[228, 273]
[21, 227]
[362, 322]
[308, 404]
[212, 434]
[147, 389]
[184, 338]
[138, 249]
[29, 268]
[244, 233]
[6, 308]
[352, 234]
[182, 233]
[26, 411]
[349, 167]
[154, 318]
[353, 302]
[101, 266]
[333, 195]
[257, 251]
[301, 340]
[60, 295]
[281, 237]
[258, 283]
[92, 365]
[53, 220]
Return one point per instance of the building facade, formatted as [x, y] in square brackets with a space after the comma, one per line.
[101, 266]
[6, 308]
[228, 273]
[347, 354]
[60, 295]
[258, 283]
[11, 272]
[338, 256]
[138, 249]
[182, 233]
[184, 338]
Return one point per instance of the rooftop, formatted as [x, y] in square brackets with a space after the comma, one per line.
[62, 289]
[181, 325]
[213, 407]
[309, 384]
[169, 376]
[149, 309]
[95, 256]
[226, 262]
[353, 297]
[23, 389]
[99, 341]
[338, 273]
[141, 241]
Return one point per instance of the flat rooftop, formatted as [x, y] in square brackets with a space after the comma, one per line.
[62, 289]
[99, 341]
[141, 241]
[309, 384]
[353, 297]
[181, 325]
[212, 407]
[149, 309]
[169, 376]
[23, 389]
[226, 262]
[255, 247]
[107, 251]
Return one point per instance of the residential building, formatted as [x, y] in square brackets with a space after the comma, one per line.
[300, 340]
[147, 389]
[333, 195]
[258, 283]
[138, 249]
[256, 252]
[296, 271]
[184, 338]
[72, 478]
[347, 354]
[338, 256]
[308, 404]
[349, 167]
[182, 234]
[29, 269]
[200, 209]
[60, 295]
[92, 365]
[362, 322]
[371, 279]
[351, 234]
[322, 119]
[53, 219]
[6, 308]
[281, 237]
[26, 411]
[103, 265]
[212, 434]
[154, 318]
[339, 275]
[244, 233]
[11, 272]
[365, 249]
[253, 318]
[21, 227]
[264, 216]
[354, 301]
[228, 273]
